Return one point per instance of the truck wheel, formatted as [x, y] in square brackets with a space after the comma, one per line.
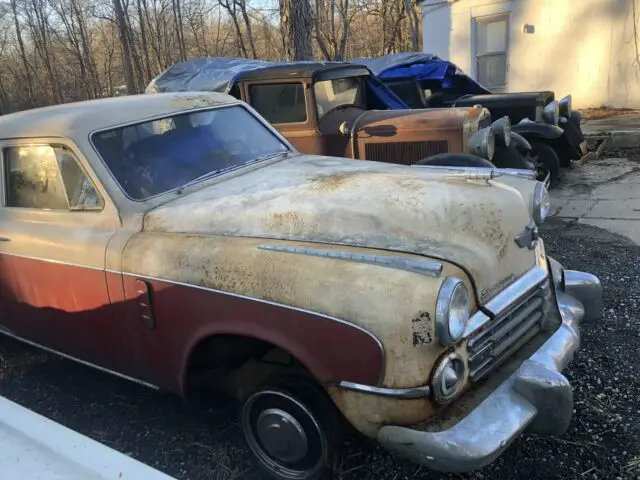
[456, 160]
[292, 428]
[546, 161]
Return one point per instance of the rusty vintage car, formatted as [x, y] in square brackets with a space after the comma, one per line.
[424, 80]
[340, 109]
[152, 238]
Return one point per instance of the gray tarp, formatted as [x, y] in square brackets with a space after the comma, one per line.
[210, 74]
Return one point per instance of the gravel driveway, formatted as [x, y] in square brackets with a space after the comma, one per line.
[193, 443]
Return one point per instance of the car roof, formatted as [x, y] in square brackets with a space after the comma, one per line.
[218, 74]
[79, 119]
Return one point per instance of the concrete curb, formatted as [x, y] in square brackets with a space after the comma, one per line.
[615, 138]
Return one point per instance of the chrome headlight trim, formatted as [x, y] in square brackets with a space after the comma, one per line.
[541, 203]
[483, 143]
[452, 311]
[501, 129]
[565, 106]
[448, 378]
[551, 113]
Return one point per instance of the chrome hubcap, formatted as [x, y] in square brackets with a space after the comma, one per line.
[282, 435]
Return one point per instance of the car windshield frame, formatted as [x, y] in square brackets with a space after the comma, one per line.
[362, 85]
[287, 148]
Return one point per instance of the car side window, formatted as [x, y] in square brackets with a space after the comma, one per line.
[47, 177]
[280, 102]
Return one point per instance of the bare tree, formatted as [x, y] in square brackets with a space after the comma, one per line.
[297, 22]
[126, 47]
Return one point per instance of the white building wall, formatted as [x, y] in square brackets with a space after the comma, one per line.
[584, 47]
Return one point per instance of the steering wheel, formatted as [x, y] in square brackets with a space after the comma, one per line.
[340, 107]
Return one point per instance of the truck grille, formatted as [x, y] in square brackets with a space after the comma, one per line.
[404, 153]
[507, 333]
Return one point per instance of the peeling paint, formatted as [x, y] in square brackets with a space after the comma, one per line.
[422, 329]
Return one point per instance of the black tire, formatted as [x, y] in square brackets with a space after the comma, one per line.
[294, 404]
[546, 160]
[456, 160]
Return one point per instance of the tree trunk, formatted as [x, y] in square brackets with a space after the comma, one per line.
[23, 54]
[297, 20]
[126, 47]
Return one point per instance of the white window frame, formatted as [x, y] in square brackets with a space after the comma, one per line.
[475, 21]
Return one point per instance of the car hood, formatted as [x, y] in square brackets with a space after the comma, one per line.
[426, 211]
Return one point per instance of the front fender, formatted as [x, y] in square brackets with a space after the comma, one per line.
[537, 130]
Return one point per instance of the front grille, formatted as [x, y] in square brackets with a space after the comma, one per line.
[505, 334]
[404, 153]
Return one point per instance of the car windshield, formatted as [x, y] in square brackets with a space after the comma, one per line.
[154, 157]
[347, 91]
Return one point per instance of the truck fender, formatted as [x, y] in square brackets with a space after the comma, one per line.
[537, 130]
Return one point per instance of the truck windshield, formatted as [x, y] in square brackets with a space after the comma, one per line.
[340, 92]
[154, 157]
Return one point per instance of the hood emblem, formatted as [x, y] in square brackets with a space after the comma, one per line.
[415, 265]
[528, 237]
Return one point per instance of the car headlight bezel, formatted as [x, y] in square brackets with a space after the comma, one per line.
[541, 204]
[565, 106]
[453, 310]
[551, 113]
[501, 129]
[483, 143]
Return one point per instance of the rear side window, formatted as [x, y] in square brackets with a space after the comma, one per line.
[47, 177]
[280, 103]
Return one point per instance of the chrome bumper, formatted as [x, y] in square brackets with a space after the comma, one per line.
[537, 397]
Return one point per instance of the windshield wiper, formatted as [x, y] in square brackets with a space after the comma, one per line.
[198, 179]
[222, 170]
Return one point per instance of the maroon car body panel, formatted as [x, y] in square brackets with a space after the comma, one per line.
[184, 315]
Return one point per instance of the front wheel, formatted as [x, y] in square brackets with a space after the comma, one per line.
[291, 428]
[546, 161]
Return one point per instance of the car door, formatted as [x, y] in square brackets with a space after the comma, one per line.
[55, 225]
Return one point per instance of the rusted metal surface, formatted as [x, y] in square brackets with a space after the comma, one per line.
[320, 199]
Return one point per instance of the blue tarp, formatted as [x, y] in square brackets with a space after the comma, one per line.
[422, 67]
[218, 74]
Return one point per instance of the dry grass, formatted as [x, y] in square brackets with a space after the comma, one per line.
[605, 112]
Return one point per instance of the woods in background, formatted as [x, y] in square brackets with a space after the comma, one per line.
[55, 51]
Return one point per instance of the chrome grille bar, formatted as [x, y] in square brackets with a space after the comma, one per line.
[504, 335]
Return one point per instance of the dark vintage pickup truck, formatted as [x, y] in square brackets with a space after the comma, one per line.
[426, 81]
[341, 109]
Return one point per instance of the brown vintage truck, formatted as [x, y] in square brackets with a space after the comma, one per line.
[341, 109]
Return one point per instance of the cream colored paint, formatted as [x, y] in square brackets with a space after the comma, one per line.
[587, 48]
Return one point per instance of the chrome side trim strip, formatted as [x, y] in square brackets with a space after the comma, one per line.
[414, 265]
[3, 331]
[399, 393]
[49, 260]
[480, 173]
[275, 304]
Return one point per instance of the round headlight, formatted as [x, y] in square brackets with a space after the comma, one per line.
[501, 130]
[551, 113]
[541, 203]
[452, 311]
[482, 143]
[565, 106]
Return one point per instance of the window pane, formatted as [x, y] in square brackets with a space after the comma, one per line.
[154, 157]
[48, 177]
[340, 92]
[81, 193]
[492, 70]
[281, 103]
[492, 37]
[33, 178]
